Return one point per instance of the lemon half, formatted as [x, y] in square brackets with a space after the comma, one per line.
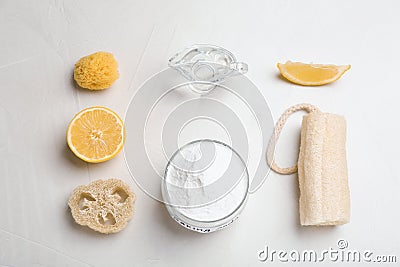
[96, 134]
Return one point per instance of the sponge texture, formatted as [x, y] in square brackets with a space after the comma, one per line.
[104, 206]
[97, 71]
[322, 166]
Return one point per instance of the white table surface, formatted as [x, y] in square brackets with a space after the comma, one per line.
[41, 40]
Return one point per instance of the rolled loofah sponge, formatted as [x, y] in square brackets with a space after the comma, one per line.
[97, 71]
[322, 165]
[104, 206]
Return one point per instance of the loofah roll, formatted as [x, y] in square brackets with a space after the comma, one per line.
[322, 166]
[322, 169]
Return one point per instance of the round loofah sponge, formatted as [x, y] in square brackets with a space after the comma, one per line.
[97, 71]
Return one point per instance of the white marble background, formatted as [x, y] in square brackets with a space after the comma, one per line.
[41, 40]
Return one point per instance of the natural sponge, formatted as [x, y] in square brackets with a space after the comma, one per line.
[97, 71]
[322, 165]
[104, 206]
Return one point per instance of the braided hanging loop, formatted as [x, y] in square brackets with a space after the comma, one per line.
[275, 137]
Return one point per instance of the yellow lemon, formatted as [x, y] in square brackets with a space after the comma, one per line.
[311, 74]
[96, 134]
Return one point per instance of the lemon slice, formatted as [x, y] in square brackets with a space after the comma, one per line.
[96, 134]
[311, 74]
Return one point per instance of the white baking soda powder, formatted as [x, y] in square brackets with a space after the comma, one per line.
[205, 181]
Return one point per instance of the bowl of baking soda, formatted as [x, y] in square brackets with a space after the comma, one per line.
[205, 185]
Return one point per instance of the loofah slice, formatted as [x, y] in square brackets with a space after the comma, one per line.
[104, 206]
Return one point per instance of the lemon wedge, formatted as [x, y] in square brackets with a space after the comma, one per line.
[311, 74]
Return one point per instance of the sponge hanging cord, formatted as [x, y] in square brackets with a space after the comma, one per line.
[278, 128]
